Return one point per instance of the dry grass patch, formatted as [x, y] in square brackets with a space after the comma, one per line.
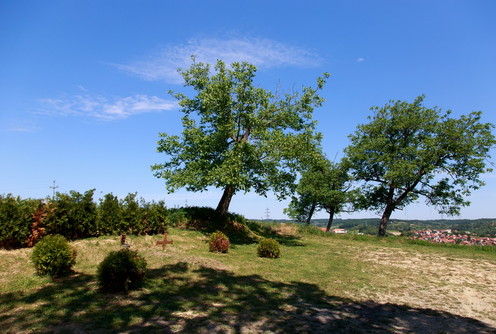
[286, 229]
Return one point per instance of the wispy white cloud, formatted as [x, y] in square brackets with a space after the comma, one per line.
[359, 60]
[263, 53]
[105, 108]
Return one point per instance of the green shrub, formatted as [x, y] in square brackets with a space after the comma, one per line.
[219, 242]
[132, 215]
[53, 256]
[121, 270]
[155, 217]
[177, 217]
[74, 216]
[269, 248]
[109, 215]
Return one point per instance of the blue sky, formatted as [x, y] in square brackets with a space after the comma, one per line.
[83, 84]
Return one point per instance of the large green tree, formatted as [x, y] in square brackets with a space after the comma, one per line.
[237, 136]
[408, 151]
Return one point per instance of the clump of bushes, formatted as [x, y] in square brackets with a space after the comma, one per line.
[269, 248]
[121, 270]
[219, 242]
[15, 220]
[53, 256]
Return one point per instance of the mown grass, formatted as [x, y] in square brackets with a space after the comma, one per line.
[318, 284]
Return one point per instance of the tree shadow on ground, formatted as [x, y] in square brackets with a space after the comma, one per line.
[249, 233]
[181, 298]
[239, 230]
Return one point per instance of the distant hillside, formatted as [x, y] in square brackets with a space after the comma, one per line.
[481, 227]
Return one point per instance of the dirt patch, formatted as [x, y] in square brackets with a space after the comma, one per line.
[465, 287]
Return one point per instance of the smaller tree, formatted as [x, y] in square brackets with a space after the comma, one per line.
[324, 186]
[408, 151]
[302, 207]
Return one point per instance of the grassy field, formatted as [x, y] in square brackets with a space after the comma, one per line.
[321, 284]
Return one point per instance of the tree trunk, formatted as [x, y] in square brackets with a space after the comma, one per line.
[310, 214]
[223, 206]
[331, 218]
[385, 219]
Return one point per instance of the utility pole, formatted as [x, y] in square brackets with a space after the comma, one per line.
[267, 213]
[53, 188]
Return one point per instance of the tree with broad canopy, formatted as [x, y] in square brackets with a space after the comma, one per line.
[238, 137]
[408, 151]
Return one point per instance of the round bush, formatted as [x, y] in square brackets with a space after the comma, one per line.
[121, 270]
[219, 242]
[269, 248]
[53, 256]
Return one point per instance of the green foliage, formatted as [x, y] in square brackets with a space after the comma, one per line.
[155, 217]
[202, 218]
[53, 256]
[219, 242]
[177, 217]
[323, 186]
[237, 136]
[269, 247]
[406, 148]
[131, 219]
[131, 216]
[121, 270]
[24, 221]
[75, 215]
[302, 207]
[109, 215]
[199, 217]
[15, 220]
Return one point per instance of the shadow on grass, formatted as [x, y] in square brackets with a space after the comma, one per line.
[181, 298]
[249, 233]
[239, 230]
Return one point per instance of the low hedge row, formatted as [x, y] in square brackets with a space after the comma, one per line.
[74, 215]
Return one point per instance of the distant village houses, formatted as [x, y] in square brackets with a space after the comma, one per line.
[335, 230]
[449, 237]
[339, 230]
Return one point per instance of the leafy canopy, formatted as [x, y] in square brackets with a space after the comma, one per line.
[238, 135]
[325, 185]
[408, 151]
